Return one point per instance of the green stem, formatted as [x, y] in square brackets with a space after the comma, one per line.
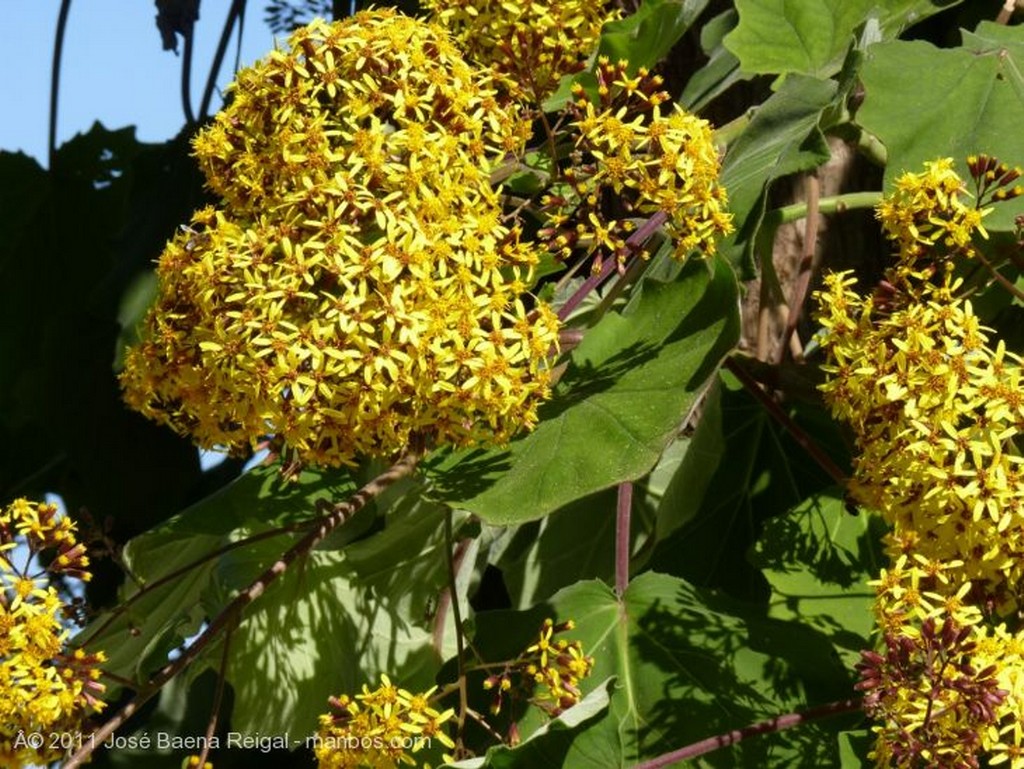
[835, 204]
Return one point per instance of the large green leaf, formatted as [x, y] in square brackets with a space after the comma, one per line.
[687, 666]
[811, 36]
[539, 558]
[818, 559]
[782, 138]
[628, 386]
[138, 640]
[739, 470]
[972, 101]
[805, 36]
[318, 632]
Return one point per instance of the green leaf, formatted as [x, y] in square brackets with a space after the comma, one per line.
[781, 139]
[854, 748]
[818, 559]
[971, 102]
[628, 387]
[644, 38]
[687, 667]
[539, 558]
[722, 69]
[805, 36]
[318, 632]
[739, 470]
[138, 640]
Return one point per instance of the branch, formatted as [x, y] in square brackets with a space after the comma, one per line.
[808, 265]
[211, 727]
[58, 53]
[1006, 12]
[234, 14]
[230, 614]
[776, 724]
[186, 75]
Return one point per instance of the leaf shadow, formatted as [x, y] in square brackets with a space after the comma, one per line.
[723, 672]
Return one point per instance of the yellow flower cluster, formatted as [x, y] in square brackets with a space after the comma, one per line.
[379, 729]
[927, 214]
[532, 42]
[946, 688]
[644, 158]
[359, 288]
[933, 406]
[935, 410]
[549, 672]
[44, 688]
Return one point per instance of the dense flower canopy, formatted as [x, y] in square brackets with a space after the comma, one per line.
[358, 287]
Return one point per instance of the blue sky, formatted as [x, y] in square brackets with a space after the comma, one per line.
[114, 68]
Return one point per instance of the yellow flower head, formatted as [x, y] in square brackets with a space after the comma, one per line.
[927, 214]
[44, 687]
[533, 42]
[548, 672]
[359, 288]
[383, 727]
[649, 159]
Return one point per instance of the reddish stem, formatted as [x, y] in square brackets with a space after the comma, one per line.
[776, 724]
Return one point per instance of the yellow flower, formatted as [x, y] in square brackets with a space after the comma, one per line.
[355, 291]
[382, 727]
[935, 410]
[649, 159]
[44, 687]
[548, 672]
[533, 42]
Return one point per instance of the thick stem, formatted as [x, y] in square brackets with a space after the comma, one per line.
[186, 75]
[58, 53]
[764, 727]
[808, 265]
[231, 613]
[1006, 12]
[835, 204]
[622, 538]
